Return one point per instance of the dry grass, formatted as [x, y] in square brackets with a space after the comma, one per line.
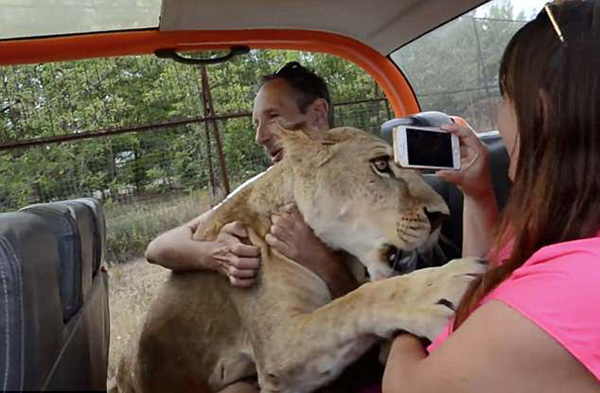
[132, 287]
[133, 281]
[130, 227]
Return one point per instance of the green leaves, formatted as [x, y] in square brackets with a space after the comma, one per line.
[65, 98]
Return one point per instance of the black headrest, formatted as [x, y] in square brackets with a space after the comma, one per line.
[421, 119]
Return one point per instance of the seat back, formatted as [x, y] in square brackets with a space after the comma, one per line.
[55, 298]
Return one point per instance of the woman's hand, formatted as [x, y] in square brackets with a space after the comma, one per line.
[480, 210]
[473, 178]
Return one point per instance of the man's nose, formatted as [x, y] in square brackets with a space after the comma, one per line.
[263, 134]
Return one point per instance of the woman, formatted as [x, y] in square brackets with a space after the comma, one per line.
[532, 323]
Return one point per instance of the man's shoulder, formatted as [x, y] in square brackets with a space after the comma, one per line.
[241, 187]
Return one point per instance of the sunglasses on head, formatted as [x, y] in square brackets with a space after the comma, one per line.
[291, 68]
[548, 9]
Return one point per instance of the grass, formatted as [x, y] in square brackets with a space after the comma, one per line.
[130, 227]
[133, 281]
[132, 287]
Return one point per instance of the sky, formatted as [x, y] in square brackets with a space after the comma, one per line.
[529, 6]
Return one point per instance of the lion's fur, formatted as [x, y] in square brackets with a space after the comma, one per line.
[202, 334]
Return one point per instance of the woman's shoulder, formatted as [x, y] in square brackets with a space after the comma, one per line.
[569, 256]
[561, 279]
[557, 289]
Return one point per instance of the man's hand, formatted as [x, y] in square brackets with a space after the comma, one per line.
[233, 258]
[291, 236]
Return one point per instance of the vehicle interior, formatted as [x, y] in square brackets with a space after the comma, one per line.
[53, 247]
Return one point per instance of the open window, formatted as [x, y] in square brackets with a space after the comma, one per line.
[454, 68]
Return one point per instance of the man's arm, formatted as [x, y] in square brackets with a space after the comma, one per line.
[179, 251]
[176, 250]
[292, 237]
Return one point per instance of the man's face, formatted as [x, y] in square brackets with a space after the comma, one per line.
[276, 100]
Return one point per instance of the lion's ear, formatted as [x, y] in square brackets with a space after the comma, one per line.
[302, 149]
[297, 144]
[307, 147]
[308, 153]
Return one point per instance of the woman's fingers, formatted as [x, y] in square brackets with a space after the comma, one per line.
[467, 136]
[449, 176]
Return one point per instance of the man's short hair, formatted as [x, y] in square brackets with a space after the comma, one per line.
[308, 85]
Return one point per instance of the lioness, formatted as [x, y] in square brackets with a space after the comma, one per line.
[201, 334]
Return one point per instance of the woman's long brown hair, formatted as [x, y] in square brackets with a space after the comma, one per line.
[555, 89]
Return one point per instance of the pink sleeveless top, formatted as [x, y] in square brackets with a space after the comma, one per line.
[558, 289]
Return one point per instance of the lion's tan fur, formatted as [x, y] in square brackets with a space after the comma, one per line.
[202, 334]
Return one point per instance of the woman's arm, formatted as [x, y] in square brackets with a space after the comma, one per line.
[497, 349]
[480, 214]
[480, 217]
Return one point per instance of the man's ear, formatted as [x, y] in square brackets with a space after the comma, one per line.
[319, 109]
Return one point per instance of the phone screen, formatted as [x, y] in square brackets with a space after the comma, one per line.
[429, 148]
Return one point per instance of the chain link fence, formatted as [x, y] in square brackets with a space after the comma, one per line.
[139, 134]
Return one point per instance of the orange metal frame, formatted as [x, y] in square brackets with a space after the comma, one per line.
[84, 46]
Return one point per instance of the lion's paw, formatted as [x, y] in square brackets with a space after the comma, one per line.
[442, 290]
[425, 300]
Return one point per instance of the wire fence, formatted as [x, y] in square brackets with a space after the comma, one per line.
[137, 133]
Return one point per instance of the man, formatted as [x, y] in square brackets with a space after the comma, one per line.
[293, 95]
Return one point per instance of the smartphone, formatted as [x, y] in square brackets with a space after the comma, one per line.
[426, 148]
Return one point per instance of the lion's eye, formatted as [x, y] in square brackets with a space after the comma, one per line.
[382, 166]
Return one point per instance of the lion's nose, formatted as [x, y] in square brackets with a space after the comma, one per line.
[435, 219]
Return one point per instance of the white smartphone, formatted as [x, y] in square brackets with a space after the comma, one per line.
[426, 148]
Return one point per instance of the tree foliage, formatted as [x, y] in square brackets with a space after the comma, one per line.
[449, 70]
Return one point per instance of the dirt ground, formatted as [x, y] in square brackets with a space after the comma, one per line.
[132, 286]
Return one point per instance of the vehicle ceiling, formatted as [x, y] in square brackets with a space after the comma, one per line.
[383, 25]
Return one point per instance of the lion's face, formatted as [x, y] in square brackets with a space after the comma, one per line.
[356, 198]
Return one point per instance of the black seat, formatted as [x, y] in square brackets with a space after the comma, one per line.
[452, 229]
[55, 297]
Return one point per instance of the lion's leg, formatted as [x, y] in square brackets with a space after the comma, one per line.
[184, 344]
[316, 347]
